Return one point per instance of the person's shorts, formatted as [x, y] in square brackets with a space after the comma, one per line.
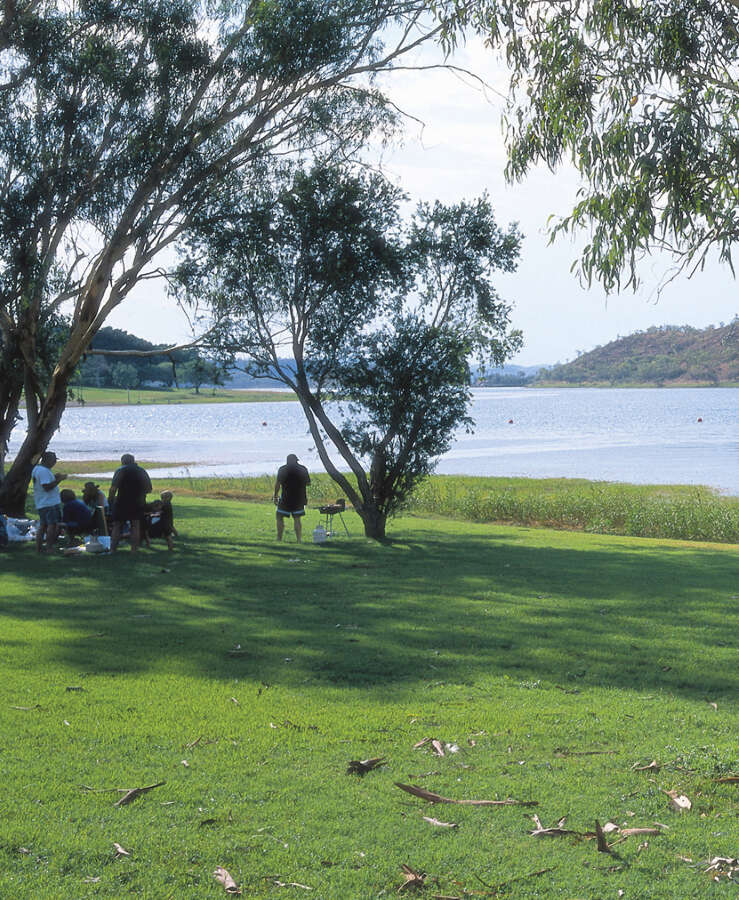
[295, 513]
[126, 512]
[50, 515]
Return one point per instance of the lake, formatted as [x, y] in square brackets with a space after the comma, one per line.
[639, 436]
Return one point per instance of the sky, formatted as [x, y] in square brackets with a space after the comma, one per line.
[457, 153]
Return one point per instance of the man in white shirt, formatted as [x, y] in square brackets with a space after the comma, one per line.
[48, 500]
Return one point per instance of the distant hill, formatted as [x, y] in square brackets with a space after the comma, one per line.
[670, 355]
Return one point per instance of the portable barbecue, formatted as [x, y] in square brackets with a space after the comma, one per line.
[331, 510]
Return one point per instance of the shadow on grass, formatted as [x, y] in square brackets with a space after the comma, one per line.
[433, 607]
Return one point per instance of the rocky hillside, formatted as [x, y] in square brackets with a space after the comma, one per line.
[670, 355]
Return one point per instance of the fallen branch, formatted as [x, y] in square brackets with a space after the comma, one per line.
[131, 795]
[431, 797]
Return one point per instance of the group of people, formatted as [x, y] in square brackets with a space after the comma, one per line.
[125, 506]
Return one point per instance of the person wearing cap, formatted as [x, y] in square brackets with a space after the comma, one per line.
[48, 500]
[290, 495]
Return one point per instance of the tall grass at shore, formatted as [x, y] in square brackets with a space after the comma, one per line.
[680, 512]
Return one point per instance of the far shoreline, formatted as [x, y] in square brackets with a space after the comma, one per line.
[97, 397]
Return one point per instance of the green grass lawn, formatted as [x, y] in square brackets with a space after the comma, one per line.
[119, 397]
[246, 675]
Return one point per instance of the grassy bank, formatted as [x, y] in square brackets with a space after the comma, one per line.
[680, 512]
[552, 667]
[88, 396]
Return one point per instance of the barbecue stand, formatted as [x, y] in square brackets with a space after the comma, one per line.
[331, 510]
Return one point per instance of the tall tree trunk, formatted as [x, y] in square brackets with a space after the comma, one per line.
[10, 398]
[14, 487]
[374, 521]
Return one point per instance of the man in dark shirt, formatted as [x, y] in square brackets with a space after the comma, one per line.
[127, 499]
[290, 495]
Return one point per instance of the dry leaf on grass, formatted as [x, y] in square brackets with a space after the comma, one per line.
[725, 866]
[431, 797]
[653, 766]
[728, 779]
[438, 823]
[630, 832]
[601, 838]
[91, 879]
[27, 708]
[296, 884]
[362, 766]
[193, 743]
[555, 831]
[412, 878]
[74, 688]
[131, 795]
[222, 876]
[679, 802]
[422, 743]
[438, 748]
[119, 851]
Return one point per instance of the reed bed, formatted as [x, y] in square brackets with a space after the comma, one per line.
[678, 512]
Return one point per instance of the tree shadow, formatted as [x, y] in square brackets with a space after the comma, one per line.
[427, 608]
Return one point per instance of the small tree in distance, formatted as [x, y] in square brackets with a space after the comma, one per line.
[376, 319]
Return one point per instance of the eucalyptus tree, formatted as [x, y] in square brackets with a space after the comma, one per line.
[370, 320]
[644, 98]
[117, 117]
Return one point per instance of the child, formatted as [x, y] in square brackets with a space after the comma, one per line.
[161, 523]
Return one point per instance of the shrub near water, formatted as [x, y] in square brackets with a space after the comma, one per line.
[683, 513]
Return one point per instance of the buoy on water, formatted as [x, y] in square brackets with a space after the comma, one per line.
[699, 419]
[510, 421]
[263, 424]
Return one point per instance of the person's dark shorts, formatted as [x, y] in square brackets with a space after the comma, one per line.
[295, 513]
[50, 515]
[126, 512]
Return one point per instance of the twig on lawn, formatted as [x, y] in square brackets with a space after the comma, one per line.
[431, 797]
[131, 795]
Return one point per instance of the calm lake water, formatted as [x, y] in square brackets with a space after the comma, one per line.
[640, 436]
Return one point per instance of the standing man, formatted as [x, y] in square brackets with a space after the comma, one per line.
[290, 495]
[127, 499]
[48, 500]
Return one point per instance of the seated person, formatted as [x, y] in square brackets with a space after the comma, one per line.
[77, 517]
[96, 500]
[161, 520]
[93, 497]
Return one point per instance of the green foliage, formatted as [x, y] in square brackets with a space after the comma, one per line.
[117, 120]
[553, 662]
[381, 315]
[124, 375]
[644, 98]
